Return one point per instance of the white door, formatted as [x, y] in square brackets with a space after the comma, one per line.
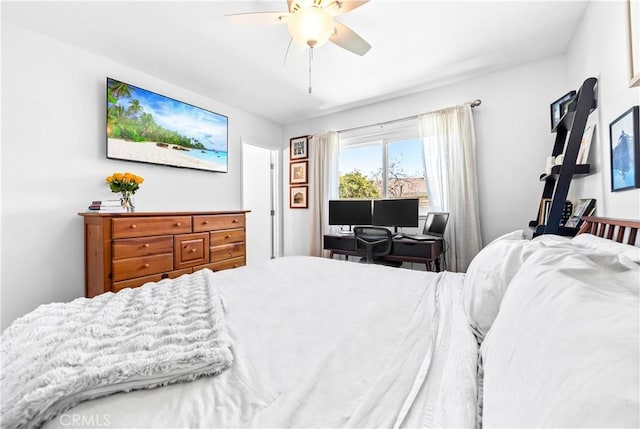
[258, 194]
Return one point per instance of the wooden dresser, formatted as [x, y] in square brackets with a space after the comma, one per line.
[124, 250]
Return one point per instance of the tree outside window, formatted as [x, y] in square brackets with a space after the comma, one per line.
[356, 185]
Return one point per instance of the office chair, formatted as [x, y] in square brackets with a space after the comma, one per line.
[373, 243]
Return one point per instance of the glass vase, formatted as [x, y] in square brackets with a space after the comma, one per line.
[126, 201]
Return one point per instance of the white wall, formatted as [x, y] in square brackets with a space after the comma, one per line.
[54, 163]
[513, 140]
[599, 49]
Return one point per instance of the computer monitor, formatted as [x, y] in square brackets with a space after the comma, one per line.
[350, 212]
[397, 212]
[436, 223]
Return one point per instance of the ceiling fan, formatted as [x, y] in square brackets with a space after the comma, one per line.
[310, 24]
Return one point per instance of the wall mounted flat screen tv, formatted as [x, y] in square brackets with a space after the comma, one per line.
[147, 127]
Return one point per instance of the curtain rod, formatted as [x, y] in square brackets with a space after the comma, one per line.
[474, 103]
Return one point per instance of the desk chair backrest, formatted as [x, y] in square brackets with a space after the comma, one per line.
[372, 242]
[436, 223]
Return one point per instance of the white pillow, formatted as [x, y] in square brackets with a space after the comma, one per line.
[564, 350]
[491, 271]
[593, 242]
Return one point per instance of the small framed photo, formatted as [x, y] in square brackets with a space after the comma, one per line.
[298, 197]
[298, 147]
[585, 207]
[560, 107]
[625, 151]
[298, 172]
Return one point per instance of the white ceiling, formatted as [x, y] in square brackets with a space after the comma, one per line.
[416, 45]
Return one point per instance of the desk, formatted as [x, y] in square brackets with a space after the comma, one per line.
[404, 249]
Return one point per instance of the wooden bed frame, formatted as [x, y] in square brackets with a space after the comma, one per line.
[611, 229]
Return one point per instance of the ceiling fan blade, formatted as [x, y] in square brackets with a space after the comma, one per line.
[295, 52]
[346, 38]
[258, 18]
[340, 7]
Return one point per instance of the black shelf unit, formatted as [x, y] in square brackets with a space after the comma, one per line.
[569, 132]
[580, 170]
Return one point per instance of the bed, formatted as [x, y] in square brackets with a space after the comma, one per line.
[537, 333]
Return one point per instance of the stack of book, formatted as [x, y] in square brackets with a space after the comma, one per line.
[566, 212]
[106, 206]
[543, 212]
[545, 208]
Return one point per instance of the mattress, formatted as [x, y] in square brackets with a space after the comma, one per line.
[321, 343]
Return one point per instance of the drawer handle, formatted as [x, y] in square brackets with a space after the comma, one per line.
[234, 221]
[145, 266]
[179, 224]
[192, 250]
[133, 226]
[145, 245]
[227, 236]
[229, 254]
[206, 222]
[235, 265]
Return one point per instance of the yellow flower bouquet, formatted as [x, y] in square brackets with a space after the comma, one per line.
[126, 184]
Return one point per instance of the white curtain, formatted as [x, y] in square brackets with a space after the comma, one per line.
[449, 142]
[323, 185]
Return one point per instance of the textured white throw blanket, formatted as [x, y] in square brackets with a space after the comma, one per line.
[64, 353]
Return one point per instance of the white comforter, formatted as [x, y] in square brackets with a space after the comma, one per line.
[321, 343]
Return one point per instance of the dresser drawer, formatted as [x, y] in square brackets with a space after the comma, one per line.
[191, 249]
[219, 238]
[420, 249]
[223, 265]
[146, 246]
[145, 226]
[340, 243]
[228, 251]
[124, 269]
[154, 278]
[217, 222]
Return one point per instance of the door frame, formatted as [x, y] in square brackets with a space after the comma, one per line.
[276, 196]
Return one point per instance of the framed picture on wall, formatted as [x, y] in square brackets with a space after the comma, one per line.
[298, 172]
[298, 197]
[625, 151]
[298, 147]
[560, 107]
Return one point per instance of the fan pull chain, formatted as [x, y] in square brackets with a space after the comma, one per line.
[310, 59]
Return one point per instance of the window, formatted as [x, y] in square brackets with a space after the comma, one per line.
[383, 163]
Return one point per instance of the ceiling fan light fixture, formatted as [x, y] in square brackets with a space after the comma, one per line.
[311, 26]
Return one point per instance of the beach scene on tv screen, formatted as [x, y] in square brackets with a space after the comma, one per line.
[148, 127]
